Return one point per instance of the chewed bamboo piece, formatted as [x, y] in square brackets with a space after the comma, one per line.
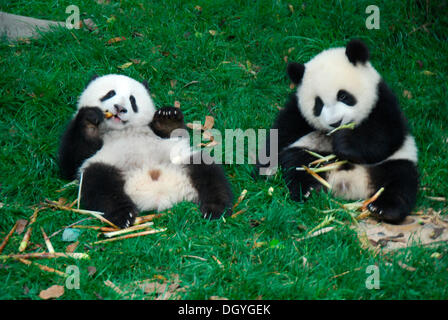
[47, 241]
[150, 217]
[324, 159]
[102, 229]
[96, 214]
[5, 241]
[27, 236]
[108, 115]
[372, 199]
[127, 230]
[328, 167]
[132, 235]
[317, 177]
[350, 125]
[240, 198]
[42, 267]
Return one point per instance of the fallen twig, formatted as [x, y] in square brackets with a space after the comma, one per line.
[316, 233]
[102, 229]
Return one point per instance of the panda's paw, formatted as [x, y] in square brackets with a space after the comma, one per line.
[166, 120]
[388, 209]
[123, 218]
[90, 116]
[214, 211]
[169, 114]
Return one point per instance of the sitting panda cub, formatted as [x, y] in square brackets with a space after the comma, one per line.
[339, 86]
[122, 148]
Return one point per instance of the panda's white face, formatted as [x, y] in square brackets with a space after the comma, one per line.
[334, 91]
[127, 99]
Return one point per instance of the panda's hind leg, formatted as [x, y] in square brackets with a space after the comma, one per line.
[215, 196]
[400, 181]
[103, 190]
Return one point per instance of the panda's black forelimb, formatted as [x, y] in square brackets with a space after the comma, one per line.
[80, 141]
[166, 120]
[300, 183]
[291, 126]
[103, 190]
[377, 137]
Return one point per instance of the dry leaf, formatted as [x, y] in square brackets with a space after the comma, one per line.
[173, 83]
[21, 224]
[212, 32]
[407, 94]
[115, 40]
[209, 122]
[71, 247]
[217, 298]
[171, 92]
[428, 73]
[135, 61]
[198, 8]
[177, 104]
[54, 291]
[91, 270]
[125, 65]
[406, 267]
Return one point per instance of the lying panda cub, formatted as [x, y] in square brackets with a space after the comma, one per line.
[122, 148]
[337, 87]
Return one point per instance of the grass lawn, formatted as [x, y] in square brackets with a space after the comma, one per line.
[236, 50]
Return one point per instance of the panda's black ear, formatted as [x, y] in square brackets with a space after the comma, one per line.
[93, 77]
[357, 51]
[295, 72]
[146, 84]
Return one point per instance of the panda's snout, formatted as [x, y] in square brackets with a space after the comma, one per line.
[120, 109]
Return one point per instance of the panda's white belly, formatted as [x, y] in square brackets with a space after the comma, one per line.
[155, 178]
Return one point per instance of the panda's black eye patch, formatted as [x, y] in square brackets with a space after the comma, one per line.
[133, 104]
[108, 95]
[318, 105]
[346, 98]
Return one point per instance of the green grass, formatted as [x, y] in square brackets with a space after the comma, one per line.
[41, 80]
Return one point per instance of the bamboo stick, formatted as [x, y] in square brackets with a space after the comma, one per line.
[96, 214]
[46, 255]
[350, 125]
[42, 267]
[150, 217]
[317, 177]
[132, 235]
[127, 230]
[372, 199]
[27, 236]
[102, 229]
[5, 241]
[47, 241]
[240, 198]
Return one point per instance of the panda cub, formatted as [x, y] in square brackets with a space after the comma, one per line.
[339, 86]
[121, 148]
